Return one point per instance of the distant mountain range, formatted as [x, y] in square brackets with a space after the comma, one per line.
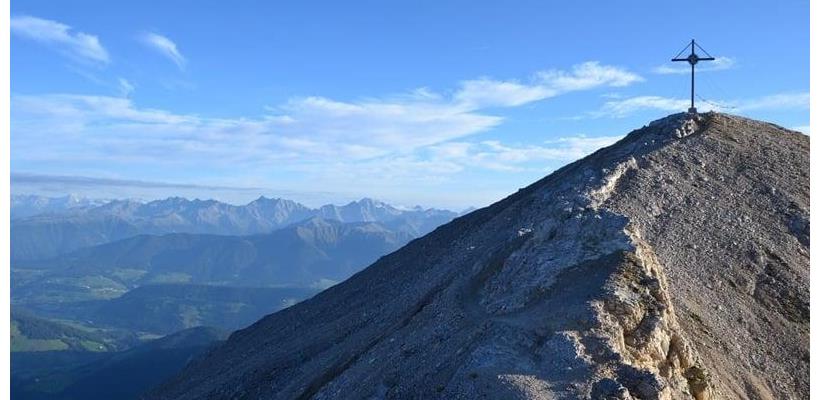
[44, 228]
[91, 280]
[27, 205]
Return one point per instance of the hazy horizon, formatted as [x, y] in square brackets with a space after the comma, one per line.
[313, 202]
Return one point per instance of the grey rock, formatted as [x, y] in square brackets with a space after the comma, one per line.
[602, 298]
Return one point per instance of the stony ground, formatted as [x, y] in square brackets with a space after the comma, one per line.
[671, 265]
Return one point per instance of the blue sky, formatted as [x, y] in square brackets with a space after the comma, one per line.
[439, 103]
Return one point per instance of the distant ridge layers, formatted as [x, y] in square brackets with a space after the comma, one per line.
[43, 228]
[673, 264]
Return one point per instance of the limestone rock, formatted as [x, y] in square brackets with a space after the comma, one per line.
[671, 265]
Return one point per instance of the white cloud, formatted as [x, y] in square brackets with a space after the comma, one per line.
[612, 95]
[81, 108]
[425, 170]
[422, 135]
[482, 93]
[164, 46]
[495, 155]
[588, 75]
[331, 144]
[393, 125]
[719, 64]
[126, 87]
[628, 106]
[775, 102]
[416, 139]
[77, 45]
[802, 128]
[308, 128]
[485, 92]
[578, 146]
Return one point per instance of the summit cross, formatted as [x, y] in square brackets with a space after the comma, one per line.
[693, 59]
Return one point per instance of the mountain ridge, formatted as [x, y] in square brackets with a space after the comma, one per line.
[48, 235]
[29, 205]
[630, 273]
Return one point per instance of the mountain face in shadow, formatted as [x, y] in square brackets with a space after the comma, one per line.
[55, 375]
[303, 254]
[167, 308]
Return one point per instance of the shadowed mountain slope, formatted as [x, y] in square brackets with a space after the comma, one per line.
[122, 375]
[671, 265]
[301, 254]
[169, 308]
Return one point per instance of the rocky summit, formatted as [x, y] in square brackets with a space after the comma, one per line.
[673, 264]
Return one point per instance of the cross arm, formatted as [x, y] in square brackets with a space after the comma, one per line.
[699, 59]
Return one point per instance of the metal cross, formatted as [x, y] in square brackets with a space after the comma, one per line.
[692, 60]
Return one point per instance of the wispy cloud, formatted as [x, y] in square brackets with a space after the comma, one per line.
[779, 101]
[495, 155]
[588, 75]
[165, 47]
[85, 181]
[802, 128]
[396, 141]
[338, 152]
[628, 106]
[427, 168]
[719, 64]
[309, 129]
[76, 45]
[485, 92]
[385, 124]
[126, 87]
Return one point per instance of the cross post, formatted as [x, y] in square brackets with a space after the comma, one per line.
[693, 59]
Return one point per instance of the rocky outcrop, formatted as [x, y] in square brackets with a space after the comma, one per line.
[624, 275]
